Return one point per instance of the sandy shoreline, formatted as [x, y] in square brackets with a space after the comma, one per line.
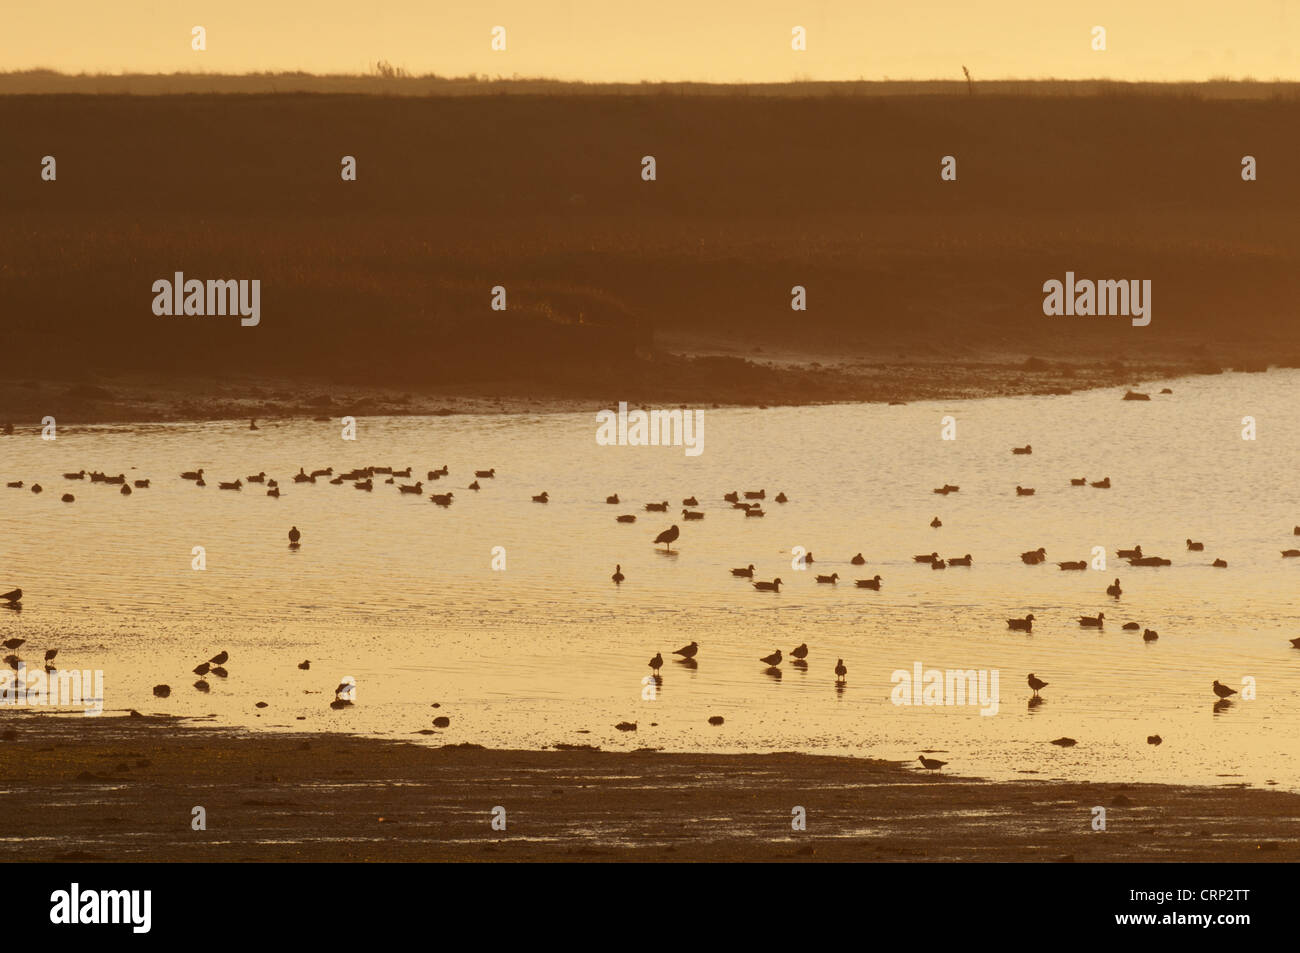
[123, 789]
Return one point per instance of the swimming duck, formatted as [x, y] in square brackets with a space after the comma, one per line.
[473, 486]
[782, 498]
[935, 524]
[489, 474]
[657, 507]
[1080, 482]
[192, 474]
[925, 559]
[1022, 450]
[441, 499]
[873, 583]
[16, 484]
[1102, 484]
[755, 512]
[1114, 590]
[938, 564]
[1134, 553]
[959, 560]
[1092, 622]
[612, 499]
[366, 485]
[690, 501]
[1290, 553]
[858, 560]
[417, 487]
[1034, 557]
[829, 580]
[773, 586]
[747, 572]
[257, 478]
[732, 497]
[1195, 547]
[1024, 491]
[79, 475]
[1149, 635]
[1219, 564]
[126, 490]
[1077, 565]
[1130, 627]
[692, 515]
[1021, 625]
[755, 494]
[542, 497]
[274, 491]
[625, 519]
[230, 486]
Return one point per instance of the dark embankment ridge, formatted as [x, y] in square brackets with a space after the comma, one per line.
[124, 789]
[673, 290]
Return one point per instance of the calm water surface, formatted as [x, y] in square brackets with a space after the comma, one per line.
[401, 594]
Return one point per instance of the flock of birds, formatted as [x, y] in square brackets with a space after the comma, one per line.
[750, 503]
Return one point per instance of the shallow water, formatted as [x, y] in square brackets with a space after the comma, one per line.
[401, 594]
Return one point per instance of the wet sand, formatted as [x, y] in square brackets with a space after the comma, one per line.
[123, 788]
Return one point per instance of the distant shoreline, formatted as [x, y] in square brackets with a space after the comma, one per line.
[398, 82]
[134, 399]
[126, 789]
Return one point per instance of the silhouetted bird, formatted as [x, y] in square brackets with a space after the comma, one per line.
[747, 572]
[931, 764]
[773, 586]
[221, 658]
[1223, 691]
[688, 651]
[772, 660]
[668, 537]
[841, 671]
[618, 576]
[1114, 590]
[294, 535]
[657, 662]
[801, 652]
[1021, 625]
[1037, 684]
[873, 583]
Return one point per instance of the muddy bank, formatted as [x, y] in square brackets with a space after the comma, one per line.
[119, 788]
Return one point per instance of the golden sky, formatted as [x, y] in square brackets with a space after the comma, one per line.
[704, 40]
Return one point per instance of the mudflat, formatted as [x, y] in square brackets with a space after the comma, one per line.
[118, 788]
